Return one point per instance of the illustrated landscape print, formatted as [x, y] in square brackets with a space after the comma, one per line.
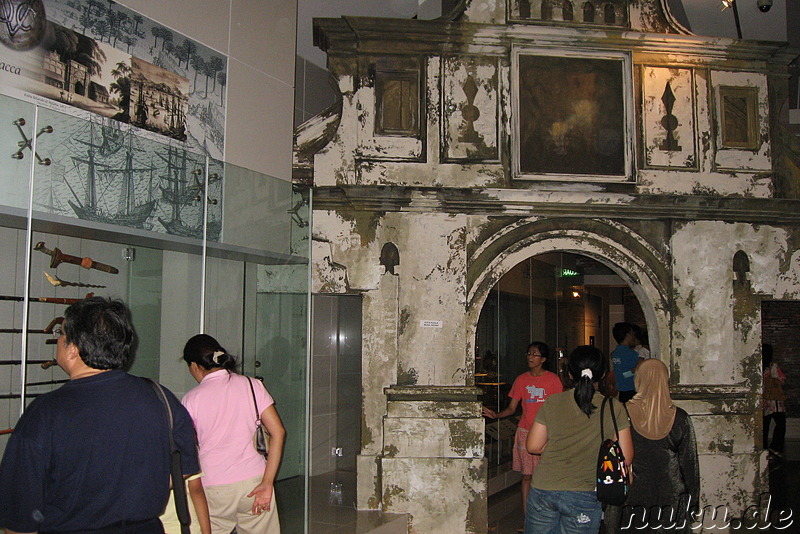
[94, 76]
[135, 109]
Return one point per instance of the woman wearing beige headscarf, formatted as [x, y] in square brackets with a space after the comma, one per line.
[665, 468]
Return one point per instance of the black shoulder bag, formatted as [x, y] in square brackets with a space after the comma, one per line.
[612, 472]
[178, 486]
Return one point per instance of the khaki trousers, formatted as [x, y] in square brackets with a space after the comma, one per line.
[230, 507]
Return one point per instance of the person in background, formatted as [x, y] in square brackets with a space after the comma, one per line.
[93, 456]
[625, 360]
[567, 434]
[640, 344]
[665, 473]
[238, 482]
[774, 402]
[531, 388]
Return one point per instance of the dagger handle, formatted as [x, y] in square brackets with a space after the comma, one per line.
[86, 263]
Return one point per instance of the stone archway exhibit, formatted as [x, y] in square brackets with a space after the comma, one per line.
[423, 200]
[639, 265]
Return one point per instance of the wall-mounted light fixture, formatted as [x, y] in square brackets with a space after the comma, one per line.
[732, 3]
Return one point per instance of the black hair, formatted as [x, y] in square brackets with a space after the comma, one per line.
[640, 333]
[621, 330]
[101, 330]
[766, 355]
[544, 350]
[201, 349]
[583, 358]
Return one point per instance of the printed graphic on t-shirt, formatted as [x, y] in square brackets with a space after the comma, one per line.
[536, 394]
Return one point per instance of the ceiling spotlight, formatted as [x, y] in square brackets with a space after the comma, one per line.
[726, 4]
[575, 294]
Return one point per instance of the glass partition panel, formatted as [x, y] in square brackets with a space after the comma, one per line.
[251, 197]
[564, 299]
[522, 307]
[256, 305]
[12, 307]
[189, 243]
[110, 194]
[17, 135]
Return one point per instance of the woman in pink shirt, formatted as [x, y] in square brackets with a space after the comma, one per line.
[238, 481]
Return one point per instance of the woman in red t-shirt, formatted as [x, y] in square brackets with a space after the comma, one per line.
[530, 388]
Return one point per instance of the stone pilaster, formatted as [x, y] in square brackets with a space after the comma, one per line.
[432, 465]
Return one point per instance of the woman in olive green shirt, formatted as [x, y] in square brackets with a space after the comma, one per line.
[566, 433]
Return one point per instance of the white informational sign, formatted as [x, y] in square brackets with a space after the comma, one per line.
[430, 324]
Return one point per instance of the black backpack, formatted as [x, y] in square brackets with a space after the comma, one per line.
[612, 471]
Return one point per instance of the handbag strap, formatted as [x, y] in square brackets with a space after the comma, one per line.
[255, 404]
[613, 417]
[178, 487]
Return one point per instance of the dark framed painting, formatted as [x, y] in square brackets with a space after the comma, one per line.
[573, 116]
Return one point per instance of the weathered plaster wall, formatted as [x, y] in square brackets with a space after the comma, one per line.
[711, 345]
[448, 198]
[485, 12]
[430, 284]
[438, 508]
[717, 337]
[702, 166]
[383, 160]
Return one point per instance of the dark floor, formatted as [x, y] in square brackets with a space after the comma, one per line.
[505, 507]
[784, 487]
[505, 511]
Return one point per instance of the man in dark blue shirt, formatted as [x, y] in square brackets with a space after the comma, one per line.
[93, 456]
[625, 359]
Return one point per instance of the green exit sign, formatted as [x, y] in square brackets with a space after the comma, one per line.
[567, 273]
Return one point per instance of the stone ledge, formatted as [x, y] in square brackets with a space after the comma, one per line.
[433, 393]
[524, 202]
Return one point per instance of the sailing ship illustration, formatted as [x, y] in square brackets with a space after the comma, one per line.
[46, 197]
[105, 175]
[183, 190]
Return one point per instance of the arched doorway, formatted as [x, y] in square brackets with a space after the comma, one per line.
[566, 287]
[643, 270]
[563, 299]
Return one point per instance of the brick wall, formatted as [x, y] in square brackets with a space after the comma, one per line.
[780, 326]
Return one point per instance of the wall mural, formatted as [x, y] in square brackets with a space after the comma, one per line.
[135, 109]
[101, 171]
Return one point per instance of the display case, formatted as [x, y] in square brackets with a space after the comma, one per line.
[190, 243]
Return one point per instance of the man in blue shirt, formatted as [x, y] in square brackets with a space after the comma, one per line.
[93, 456]
[625, 359]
